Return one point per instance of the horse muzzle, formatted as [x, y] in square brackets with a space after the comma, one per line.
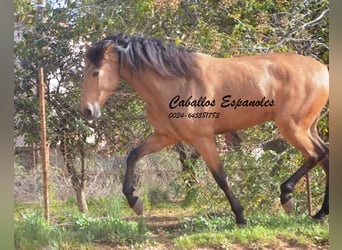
[92, 111]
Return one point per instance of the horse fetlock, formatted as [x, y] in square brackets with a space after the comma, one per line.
[238, 211]
[286, 188]
[131, 199]
[138, 207]
[289, 205]
[128, 189]
[241, 221]
[319, 216]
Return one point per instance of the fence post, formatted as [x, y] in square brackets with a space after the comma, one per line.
[308, 190]
[45, 148]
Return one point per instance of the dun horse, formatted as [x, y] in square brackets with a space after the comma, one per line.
[191, 97]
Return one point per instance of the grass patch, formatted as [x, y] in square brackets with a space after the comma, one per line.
[169, 225]
[261, 231]
[33, 232]
[73, 230]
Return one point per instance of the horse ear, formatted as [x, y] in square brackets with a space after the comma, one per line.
[109, 50]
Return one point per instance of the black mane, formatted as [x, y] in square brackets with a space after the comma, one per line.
[165, 58]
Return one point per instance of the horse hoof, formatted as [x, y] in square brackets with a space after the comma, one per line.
[289, 205]
[242, 224]
[138, 207]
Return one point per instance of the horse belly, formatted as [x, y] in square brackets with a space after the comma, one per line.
[232, 120]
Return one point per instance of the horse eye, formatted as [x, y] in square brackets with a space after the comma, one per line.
[95, 73]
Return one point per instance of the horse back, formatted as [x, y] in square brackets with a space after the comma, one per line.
[298, 86]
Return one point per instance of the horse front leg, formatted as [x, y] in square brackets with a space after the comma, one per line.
[128, 187]
[153, 144]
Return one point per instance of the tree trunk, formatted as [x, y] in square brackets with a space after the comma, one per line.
[78, 180]
[81, 201]
[79, 184]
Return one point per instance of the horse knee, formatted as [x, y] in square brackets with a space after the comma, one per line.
[133, 157]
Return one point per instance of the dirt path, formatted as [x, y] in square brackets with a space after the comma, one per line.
[163, 229]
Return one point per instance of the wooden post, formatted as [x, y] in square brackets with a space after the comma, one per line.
[308, 191]
[34, 157]
[45, 148]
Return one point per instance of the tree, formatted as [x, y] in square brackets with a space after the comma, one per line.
[56, 44]
[50, 44]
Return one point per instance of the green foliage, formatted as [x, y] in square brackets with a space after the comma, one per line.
[155, 194]
[110, 230]
[106, 206]
[32, 233]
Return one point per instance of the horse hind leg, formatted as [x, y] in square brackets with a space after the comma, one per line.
[324, 163]
[302, 139]
[325, 206]
[207, 149]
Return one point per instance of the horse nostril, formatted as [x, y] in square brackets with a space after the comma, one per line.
[92, 111]
[87, 113]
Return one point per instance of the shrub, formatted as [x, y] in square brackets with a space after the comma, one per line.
[109, 230]
[31, 233]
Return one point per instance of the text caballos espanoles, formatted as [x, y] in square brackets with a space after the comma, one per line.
[226, 102]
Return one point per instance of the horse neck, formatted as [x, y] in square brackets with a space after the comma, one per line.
[148, 83]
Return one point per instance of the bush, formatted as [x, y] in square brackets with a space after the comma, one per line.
[255, 180]
[108, 230]
[106, 206]
[157, 194]
[31, 233]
